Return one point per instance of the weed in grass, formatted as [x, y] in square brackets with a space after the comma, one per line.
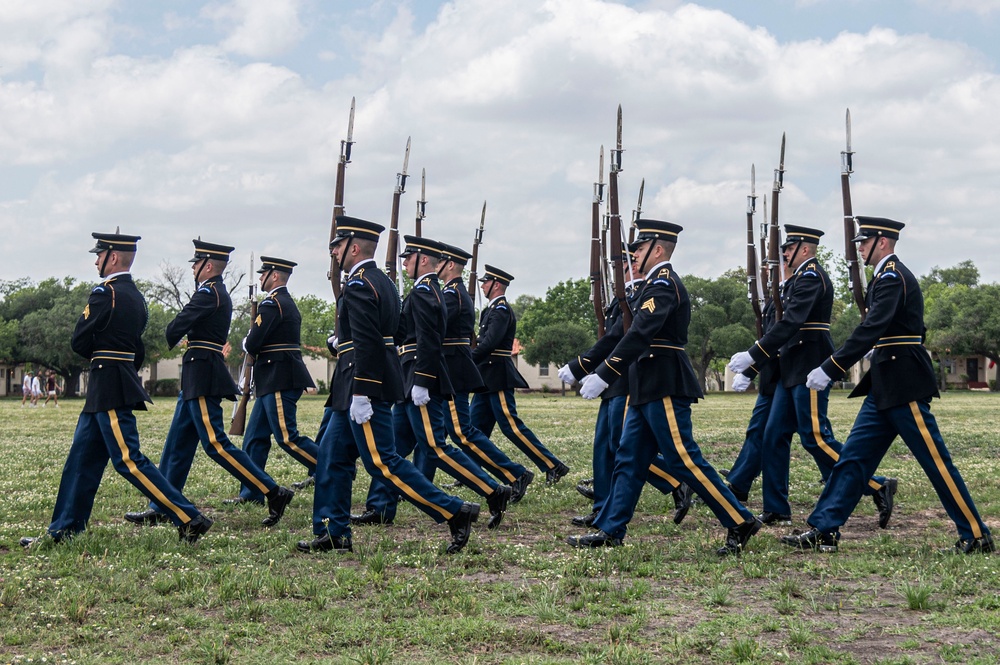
[744, 649]
[785, 606]
[720, 595]
[917, 595]
[213, 652]
[799, 635]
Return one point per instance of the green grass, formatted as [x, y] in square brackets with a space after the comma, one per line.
[123, 594]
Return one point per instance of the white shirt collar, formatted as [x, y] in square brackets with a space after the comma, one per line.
[882, 262]
[426, 274]
[490, 304]
[115, 274]
[656, 267]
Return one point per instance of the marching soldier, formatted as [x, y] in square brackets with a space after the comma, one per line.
[662, 388]
[496, 406]
[109, 334]
[898, 390]
[419, 421]
[802, 338]
[279, 377]
[204, 382]
[367, 381]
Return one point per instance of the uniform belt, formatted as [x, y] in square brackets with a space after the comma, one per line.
[898, 340]
[108, 354]
[205, 344]
[345, 347]
[504, 353]
[456, 341]
[275, 348]
[665, 344]
[815, 325]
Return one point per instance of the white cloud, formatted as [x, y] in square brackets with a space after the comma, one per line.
[257, 29]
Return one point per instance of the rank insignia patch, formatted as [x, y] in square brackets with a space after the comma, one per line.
[649, 306]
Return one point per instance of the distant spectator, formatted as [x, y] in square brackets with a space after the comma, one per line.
[36, 388]
[52, 388]
[26, 387]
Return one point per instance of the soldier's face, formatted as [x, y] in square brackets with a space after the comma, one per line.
[410, 265]
[485, 287]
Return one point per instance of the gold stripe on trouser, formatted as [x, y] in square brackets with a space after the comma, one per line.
[393, 478]
[520, 435]
[134, 470]
[666, 476]
[284, 429]
[675, 433]
[212, 439]
[425, 419]
[818, 435]
[939, 463]
[471, 446]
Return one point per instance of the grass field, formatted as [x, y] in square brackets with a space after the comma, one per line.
[124, 594]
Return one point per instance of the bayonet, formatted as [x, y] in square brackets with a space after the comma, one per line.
[392, 245]
[338, 199]
[346, 145]
[421, 204]
[855, 271]
[474, 263]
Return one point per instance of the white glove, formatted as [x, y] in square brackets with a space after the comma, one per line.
[741, 383]
[817, 380]
[566, 374]
[592, 386]
[331, 341]
[871, 352]
[361, 409]
[740, 362]
[420, 395]
[244, 344]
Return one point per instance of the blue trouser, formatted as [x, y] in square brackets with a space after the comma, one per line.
[420, 430]
[749, 462]
[499, 408]
[274, 413]
[200, 419]
[342, 443]
[870, 438]
[663, 426]
[482, 451]
[98, 438]
[802, 410]
[607, 439]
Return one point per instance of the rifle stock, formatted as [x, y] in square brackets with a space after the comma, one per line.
[338, 199]
[392, 245]
[616, 229]
[774, 249]
[474, 264]
[753, 268]
[239, 422]
[597, 294]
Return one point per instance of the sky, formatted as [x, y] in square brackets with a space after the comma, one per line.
[223, 119]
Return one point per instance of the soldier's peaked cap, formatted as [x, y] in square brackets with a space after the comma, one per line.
[352, 227]
[456, 254]
[114, 241]
[652, 229]
[496, 275]
[271, 263]
[209, 250]
[426, 246]
[877, 227]
[794, 234]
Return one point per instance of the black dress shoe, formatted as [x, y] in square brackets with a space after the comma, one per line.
[147, 517]
[683, 499]
[742, 497]
[520, 486]
[767, 517]
[738, 536]
[194, 529]
[587, 491]
[277, 500]
[724, 473]
[814, 539]
[27, 542]
[460, 526]
[884, 501]
[982, 545]
[497, 502]
[369, 517]
[585, 520]
[589, 482]
[596, 539]
[325, 543]
[553, 475]
[302, 484]
[240, 500]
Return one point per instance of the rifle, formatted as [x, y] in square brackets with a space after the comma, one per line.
[774, 258]
[476, 242]
[338, 199]
[616, 228]
[421, 204]
[636, 214]
[239, 422]
[754, 291]
[392, 246]
[855, 274]
[597, 251]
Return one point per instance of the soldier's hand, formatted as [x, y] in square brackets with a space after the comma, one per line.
[592, 386]
[740, 362]
[361, 409]
[331, 342]
[566, 374]
[420, 395]
[741, 383]
[817, 380]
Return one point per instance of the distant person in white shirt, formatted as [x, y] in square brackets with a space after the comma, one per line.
[36, 389]
[26, 388]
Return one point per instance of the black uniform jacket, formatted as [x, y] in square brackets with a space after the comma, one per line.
[205, 320]
[109, 334]
[768, 371]
[420, 338]
[655, 343]
[462, 370]
[802, 336]
[589, 360]
[274, 342]
[494, 346]
[901, 370]
[367, 318]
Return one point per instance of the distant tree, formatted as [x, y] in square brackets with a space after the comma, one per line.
[722, 320]
[173, 287]
[522, 303]
[964, 274]
[557, 344]
[566, 302]
[8, 339]
[319, 319]
[963, 320]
